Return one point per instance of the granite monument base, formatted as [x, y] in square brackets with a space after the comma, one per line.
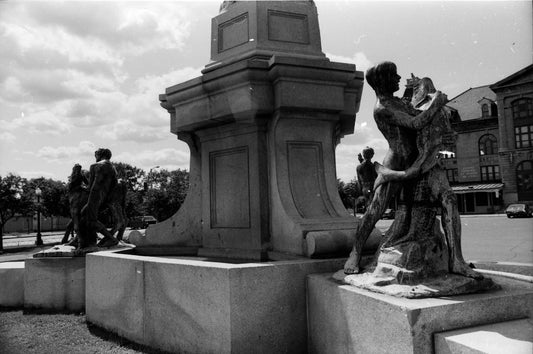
[197, 305]
[12, 284]
[346, 319]
[55, 284]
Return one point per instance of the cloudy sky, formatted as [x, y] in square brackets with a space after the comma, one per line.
[75, 76]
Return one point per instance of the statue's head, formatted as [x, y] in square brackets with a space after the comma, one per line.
[383, 78]
[368, 153]
[76, 168]
[102, 154]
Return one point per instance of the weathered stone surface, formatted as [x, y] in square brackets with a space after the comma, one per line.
[191, 304]
[438, 286]
[504, 337]
[12, 284]
[55, 284]
[347, 319]
[262, 124]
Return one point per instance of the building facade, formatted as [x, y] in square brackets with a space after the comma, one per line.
[492, 162]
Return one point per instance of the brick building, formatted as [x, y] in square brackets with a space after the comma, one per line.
[492, 163]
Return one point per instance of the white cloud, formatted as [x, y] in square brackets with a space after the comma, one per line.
[67, 153]
[362, 63]
[7, 137]
[37, 122]
[167, 158]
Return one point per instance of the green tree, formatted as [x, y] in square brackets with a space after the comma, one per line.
[133, 176]
[165, 192]
[54, 198]
[349, 192]
[353, 192]
[15, 198]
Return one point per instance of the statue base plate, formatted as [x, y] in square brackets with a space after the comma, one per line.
[445, 285]
[71, 251]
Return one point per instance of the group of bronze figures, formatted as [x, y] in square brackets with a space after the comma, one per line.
[416, 127]
[88, 196]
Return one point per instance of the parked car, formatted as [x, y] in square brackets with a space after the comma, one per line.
[388, 214]
[519, 210]
[142, 222]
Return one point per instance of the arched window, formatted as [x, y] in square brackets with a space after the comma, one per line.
[522, 108]
[524, 180]
[488, 145]
[484, 110]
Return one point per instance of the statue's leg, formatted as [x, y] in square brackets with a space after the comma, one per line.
[119, 220]
[108, 239]
[378, 205]
[70, 227]
[451, 223]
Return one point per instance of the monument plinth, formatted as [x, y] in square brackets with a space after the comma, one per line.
[262, 124]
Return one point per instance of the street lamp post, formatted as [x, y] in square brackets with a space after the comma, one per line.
[39, 240]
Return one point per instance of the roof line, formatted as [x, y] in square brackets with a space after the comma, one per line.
[512, 76]
[471, 88]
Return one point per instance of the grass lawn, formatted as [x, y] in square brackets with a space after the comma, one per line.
[43, 333]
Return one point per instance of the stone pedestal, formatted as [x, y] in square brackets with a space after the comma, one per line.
[193, 305]
[262, 124]
[55, 284]
[12, 280]
[346, 319]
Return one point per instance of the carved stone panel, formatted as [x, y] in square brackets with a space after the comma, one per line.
[288, 27]
[229, 188]
[306, 176]
[233, 33]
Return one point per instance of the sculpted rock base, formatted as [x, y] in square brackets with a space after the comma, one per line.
[444, 285]
[413, 261]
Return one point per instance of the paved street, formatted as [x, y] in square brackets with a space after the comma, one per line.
[493, 238]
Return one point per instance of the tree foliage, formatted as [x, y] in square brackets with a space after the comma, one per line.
[349, 193]
[165, 192]
[15, 198]
[54, 198]
[133, 176]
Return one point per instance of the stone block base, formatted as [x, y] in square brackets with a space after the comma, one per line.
[505, 337]
[345, 319]
[55, 284]
[192, 305]
[12, 284]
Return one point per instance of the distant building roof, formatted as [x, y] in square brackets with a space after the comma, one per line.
[467, 103]
[525, 73]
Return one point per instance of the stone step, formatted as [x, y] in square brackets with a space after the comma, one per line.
[511, 337]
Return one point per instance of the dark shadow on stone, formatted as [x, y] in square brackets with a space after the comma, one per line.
[123, 342]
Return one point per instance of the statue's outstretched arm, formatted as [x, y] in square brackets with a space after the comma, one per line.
[397, 117]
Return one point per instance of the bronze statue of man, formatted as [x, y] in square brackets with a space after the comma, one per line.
[77, 197]
[102, 181]
[398, 122]
[430, 140]
[366, 174]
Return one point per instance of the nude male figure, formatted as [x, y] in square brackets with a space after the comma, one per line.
[102, 181]
[366, 174]
[77, 197]
[429, 143]
[398, 122]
